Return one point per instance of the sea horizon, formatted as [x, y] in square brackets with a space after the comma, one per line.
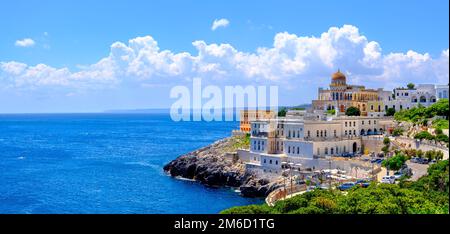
[105, 163]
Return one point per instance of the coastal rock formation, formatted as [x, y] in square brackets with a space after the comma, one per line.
[211, 166]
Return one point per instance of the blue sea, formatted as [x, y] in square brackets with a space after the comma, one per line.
[104, 163]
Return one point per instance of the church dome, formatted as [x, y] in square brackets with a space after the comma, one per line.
[338, 76]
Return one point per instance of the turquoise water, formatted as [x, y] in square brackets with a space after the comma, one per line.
[104, 163]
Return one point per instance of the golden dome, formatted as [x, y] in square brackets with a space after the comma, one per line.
[338, 76]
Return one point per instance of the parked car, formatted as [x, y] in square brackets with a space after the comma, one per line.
[346, 186]
[423, 160]
[347, 155]
[414, 160]
[363, 183]
[398, 175]
[388, 180]
[379, 160]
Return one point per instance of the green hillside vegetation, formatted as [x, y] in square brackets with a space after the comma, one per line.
[440, 124]
[428, 195]
[421, 113]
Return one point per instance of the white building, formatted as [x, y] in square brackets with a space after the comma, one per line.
[404, 98]
[442, 91]
[313, 135]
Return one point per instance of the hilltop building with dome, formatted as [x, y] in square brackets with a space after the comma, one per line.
[303, 135]
[341, 96]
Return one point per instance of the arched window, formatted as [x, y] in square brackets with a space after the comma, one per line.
[423, 99]
[326, 150]
[332, 150]
[432, 99]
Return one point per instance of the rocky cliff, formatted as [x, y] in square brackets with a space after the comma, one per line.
[210, 166]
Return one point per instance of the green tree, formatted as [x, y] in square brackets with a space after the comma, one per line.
[424, 135]
[352, 111]
[390, 111]
[395, 163]
[442, 137]
[282, 112]
[410, 86]
[419, 153]
[397, 132]
[387, 144]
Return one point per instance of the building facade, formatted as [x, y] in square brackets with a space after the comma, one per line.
[247, 116]
[313, 135]
[341, 96]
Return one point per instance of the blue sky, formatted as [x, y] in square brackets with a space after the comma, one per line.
[74, 35]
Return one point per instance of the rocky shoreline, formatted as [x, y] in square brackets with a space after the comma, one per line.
[210, 166]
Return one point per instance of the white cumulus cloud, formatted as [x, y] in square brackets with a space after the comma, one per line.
[219, 23]
[292, 60]
[26, 42]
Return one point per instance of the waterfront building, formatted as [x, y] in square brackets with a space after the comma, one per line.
[314, 135]
[317, 133]
[246, 116]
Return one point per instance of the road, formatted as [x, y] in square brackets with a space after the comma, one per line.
[418, 170]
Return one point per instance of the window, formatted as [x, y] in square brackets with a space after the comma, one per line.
[276, 162]
[334, 133]
[362, 123]
[325, 133]
[270, 162]
[406, 94]
[264, 160]
[326, 150]
[298, 150]
[371, 107]
[309, 134]
[374, 122]
[354, 132]
[346, 132]
[354, 123]
[345, 124]
[317, 133]
[289, 149]
[369, 122]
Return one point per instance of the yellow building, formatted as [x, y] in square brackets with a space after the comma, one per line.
[341, 96]
[247, 116]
